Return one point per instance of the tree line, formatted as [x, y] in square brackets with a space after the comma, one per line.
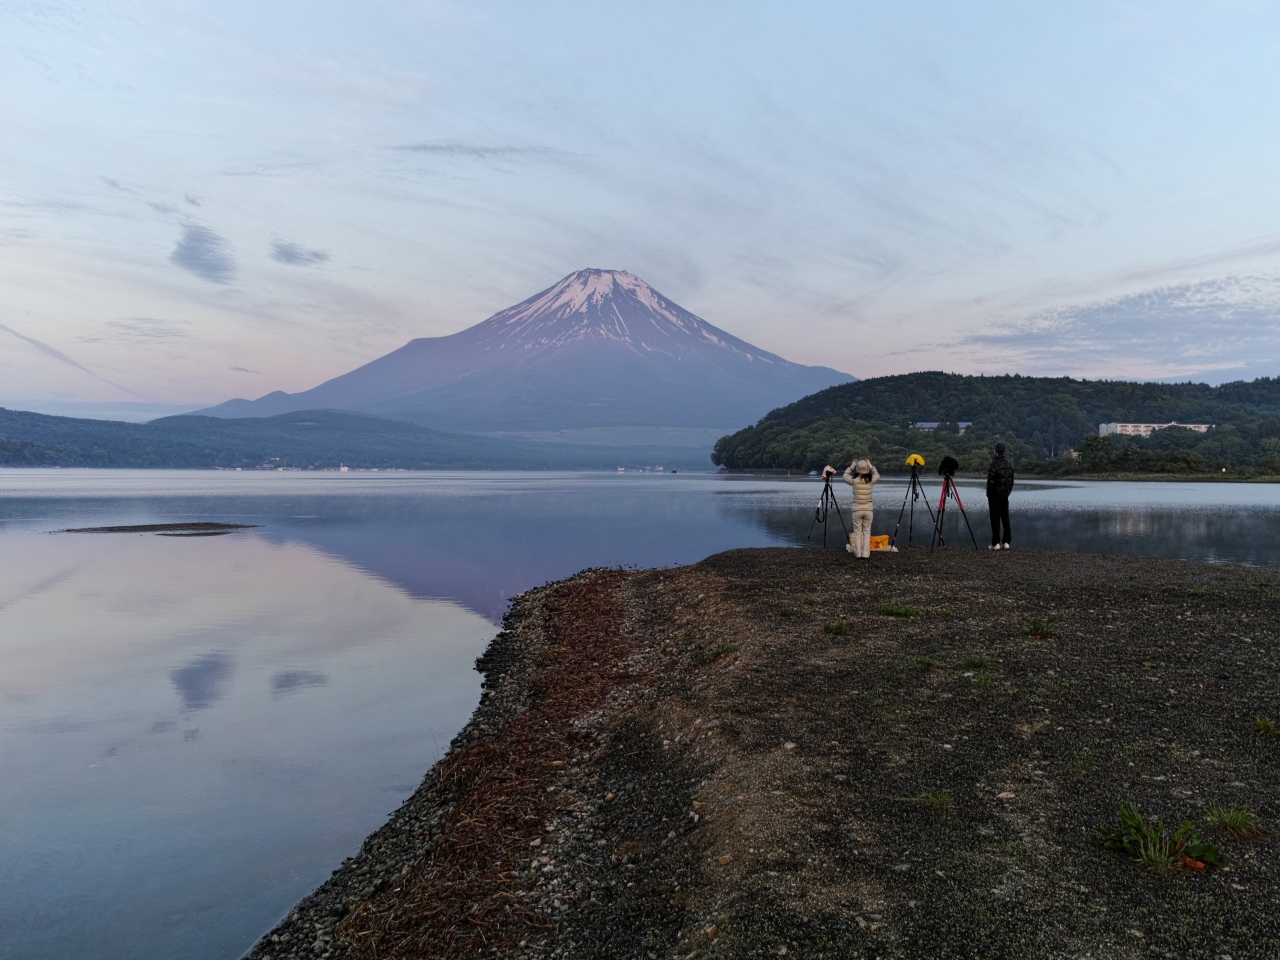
[1049, 424]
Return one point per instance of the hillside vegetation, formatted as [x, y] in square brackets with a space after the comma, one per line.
[1050, 424]
[311, 439]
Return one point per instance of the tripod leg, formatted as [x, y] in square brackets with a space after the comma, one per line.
[965, 515]
[824, 515]
[894, 539]
[840, 516]
[819, 517]
[937, 521]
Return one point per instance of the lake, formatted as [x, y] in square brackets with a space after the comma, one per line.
[195, 730]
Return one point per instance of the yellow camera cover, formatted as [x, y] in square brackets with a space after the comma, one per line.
[915, 460]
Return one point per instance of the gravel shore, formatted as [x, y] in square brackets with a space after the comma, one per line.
[795, 753]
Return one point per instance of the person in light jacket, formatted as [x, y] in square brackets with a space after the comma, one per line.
[862, 476]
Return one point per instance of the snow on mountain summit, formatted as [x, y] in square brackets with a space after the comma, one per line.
[606, 305]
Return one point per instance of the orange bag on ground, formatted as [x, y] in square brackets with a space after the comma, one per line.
[880, 543]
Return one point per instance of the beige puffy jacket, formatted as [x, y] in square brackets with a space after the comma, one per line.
[861, 488]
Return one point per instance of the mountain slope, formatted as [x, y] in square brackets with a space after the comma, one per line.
[311, 438]
[601, 348]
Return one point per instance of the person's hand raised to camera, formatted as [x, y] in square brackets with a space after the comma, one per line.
[828, 471]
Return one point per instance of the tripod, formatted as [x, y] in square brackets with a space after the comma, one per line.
[825, 502]
[915, 491]
[949, 492]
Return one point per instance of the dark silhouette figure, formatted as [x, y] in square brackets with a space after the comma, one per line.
[999, 486]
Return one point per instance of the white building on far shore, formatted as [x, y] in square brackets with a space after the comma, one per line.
[929, 425]
[1147, 429]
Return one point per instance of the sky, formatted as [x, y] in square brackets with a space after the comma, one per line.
[217, 200]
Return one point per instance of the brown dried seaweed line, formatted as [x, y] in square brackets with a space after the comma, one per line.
[460, 898]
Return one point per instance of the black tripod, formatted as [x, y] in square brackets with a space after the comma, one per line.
[825, 502]
[915, 491]
[949, 492]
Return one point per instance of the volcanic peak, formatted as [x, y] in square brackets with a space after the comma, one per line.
[606, 305]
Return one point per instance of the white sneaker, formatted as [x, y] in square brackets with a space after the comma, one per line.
[848, 548]
[994, 546]
[1006, 546]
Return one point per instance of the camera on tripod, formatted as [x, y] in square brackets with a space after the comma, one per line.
[915, 491]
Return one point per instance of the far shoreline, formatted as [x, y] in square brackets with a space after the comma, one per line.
[927, 474]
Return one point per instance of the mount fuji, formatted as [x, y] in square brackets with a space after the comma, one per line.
[600, 350]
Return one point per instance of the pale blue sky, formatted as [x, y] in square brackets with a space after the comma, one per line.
[200, 201]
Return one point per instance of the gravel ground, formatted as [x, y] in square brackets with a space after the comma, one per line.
[796, 753]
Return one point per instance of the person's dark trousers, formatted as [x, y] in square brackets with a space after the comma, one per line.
[999, 509]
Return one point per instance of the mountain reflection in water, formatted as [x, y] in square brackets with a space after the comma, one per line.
[194, 732]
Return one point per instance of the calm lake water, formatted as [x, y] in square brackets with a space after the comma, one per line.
[195, 731]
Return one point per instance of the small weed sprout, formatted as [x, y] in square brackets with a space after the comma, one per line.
[925, 664]
[835, 628]
[1198, 592]
[723, 650]
[982, 678]
[1265, 726]
[895, 610]
[785, 612]
[976, 661]
[1040, 628]
[1238, 821]
[1155, 847]
[939, 801]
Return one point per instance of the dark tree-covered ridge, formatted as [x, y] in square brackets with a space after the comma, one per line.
[309, 439]
[1044, 420]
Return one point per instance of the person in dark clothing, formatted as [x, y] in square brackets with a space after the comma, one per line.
[999, 486]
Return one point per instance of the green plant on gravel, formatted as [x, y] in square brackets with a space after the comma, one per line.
[785, 612]
[976, 661]
[1198, 592]
[925, 664]
[835, 628]
[1085, 761]
[940, 801]
[982, 678]
[895, 610]
[723, 650]
[1238, 821]
[1040, 628]
[1155, 847]
[1265, 726]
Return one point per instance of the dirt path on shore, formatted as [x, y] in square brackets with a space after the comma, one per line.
[793, 753]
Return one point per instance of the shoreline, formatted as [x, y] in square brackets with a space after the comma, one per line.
[736, 758]
[1026, 475]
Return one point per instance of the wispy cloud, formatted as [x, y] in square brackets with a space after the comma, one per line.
[204, 253]
[192, 199]
[1193, 328]
[293, 253]
[61, 357]
[475, 151]
[148, 329]
[246, 370]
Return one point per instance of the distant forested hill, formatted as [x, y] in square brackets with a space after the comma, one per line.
[307, 439]
[1049, 423]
